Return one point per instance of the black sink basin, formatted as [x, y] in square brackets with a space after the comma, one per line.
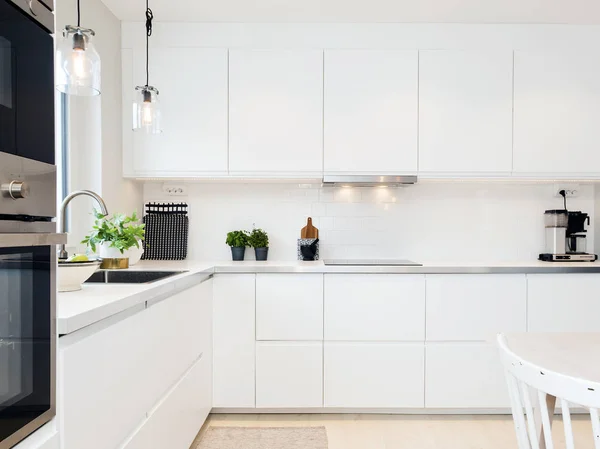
[130, 277]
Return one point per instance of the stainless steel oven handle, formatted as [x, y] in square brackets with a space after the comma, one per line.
[17, 240]
[31, 8]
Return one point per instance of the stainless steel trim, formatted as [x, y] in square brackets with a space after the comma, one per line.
[38, 12]
[549, 267]
[16, 240]
[45, 417]
[27, 227]
[38, 178]
[368, 180]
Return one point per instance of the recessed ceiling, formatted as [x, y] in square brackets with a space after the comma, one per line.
[447, 11]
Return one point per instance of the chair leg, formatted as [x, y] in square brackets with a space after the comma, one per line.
[550, 405]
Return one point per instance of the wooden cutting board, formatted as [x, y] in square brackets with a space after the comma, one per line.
[309, 231]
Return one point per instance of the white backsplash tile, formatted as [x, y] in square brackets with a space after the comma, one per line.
[433, 222]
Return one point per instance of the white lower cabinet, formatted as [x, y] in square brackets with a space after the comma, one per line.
[475, 307]
[289, 374]
[374, 375]
[234, 340]
[374, 307]
[176, 420]
[464, 375]
[563, 303]
[112, 379]
[289, 307]
[105, 385]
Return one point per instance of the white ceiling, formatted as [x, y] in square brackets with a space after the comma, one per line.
[449, 11]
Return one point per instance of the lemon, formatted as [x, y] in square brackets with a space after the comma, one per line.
[78, 258]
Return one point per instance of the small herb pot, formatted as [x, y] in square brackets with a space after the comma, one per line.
[237, 252]
[261, 253]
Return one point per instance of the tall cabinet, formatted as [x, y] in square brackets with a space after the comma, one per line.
[193, 100]
[276, 112]
[371, 103]
[557, 111]
[465, 112]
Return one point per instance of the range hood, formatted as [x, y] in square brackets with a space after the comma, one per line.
[367, 180]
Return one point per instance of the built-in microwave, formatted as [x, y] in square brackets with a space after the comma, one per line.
[28, 238]
[27, 79]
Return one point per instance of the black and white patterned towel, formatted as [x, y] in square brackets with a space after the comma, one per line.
[167, 229]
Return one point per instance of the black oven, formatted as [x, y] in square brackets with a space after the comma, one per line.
[27, 79]
[27, 340]
[28, 266]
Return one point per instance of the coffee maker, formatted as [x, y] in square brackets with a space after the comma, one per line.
[566, 239]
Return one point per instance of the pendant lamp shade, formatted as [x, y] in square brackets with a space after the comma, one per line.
[146, 111]
[77, 63]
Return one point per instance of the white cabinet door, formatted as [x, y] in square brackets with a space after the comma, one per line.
[289, 375]
[104, 384]
[475, 306]
[374, 307]
[464, 375]
[563, 303]
[193, 102]
[557, 111]
[276, 112]
[233, 340]
[371, 103]
[181, 329]
[289, 307]
[177, 419]
[374, 375]
[465, 111]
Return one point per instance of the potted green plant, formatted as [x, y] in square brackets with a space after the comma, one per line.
[259, 240]
[237, 240]
[116, 239]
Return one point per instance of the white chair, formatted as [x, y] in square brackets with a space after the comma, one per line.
[533, 390]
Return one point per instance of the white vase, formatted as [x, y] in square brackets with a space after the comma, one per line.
[134, 254]
[107, 252]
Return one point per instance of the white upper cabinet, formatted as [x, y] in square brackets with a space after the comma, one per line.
[193, 102]
[276, 112]
[465, 112]
[371, 104]
[557, 112]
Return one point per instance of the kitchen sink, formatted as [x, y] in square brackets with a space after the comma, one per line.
[130, 277]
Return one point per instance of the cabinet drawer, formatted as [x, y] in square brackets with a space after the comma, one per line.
[374, 375]
[368, 307]
[289, 374]
[563, 303]
[289, 307]
[180, 332]
[104, 385]
[475, 307]
[464, 375]
[177, 419]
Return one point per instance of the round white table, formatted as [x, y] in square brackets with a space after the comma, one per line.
[572, 354]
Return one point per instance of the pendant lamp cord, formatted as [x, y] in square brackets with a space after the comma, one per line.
[149, 17]
[78, 14]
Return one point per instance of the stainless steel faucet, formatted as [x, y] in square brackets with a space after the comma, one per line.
[63, 254]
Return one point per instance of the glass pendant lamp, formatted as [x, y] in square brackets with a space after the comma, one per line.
[77, 61]
[146, 110]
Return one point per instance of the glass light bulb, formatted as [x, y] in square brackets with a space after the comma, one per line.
[79, 64]
[147, 113]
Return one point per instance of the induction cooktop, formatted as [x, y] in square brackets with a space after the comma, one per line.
[372, 262]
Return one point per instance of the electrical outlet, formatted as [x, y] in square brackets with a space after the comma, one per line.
[174, 189]
[571, 190]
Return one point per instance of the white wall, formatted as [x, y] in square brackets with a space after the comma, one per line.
[95, 125]
[428, 222]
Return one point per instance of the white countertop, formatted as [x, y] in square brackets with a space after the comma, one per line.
[96, 302]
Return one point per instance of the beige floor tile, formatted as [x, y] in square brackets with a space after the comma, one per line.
[367, 431]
